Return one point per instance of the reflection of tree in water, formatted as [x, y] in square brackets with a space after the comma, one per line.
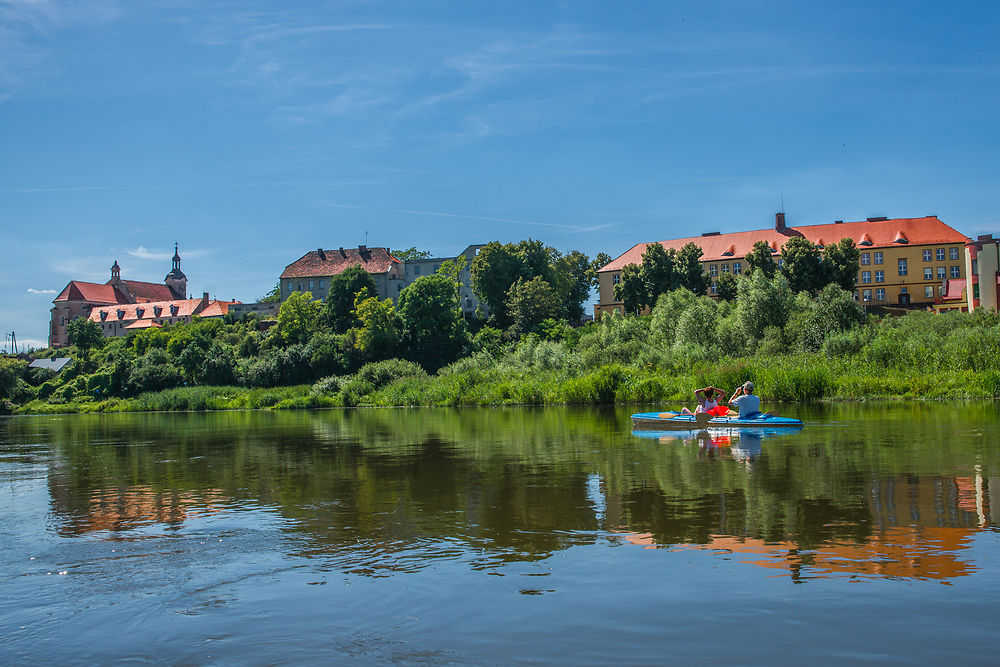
[389, 490]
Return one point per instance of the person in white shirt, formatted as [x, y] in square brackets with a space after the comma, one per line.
[745, 400]
[708, 398]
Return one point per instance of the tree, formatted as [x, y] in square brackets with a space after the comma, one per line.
[689, 269]
[803, 265]
[381, 328]
[658, 271]
[763, 303]
[433, 332]
[452, 270]
[759, 257]
[85, 334]
[344, 288]
[726, 287]
[576, 278]
[843, 260]
[298, 317]
[631, 290]
[409, 254]
[494, 270]
[273, 296]
[531, 302]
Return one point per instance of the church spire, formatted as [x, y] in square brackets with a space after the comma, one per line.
[115, 270]
[176, 259]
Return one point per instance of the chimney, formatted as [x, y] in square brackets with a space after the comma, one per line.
[779, 221]
[204, 298]
[362, 248]
[322, 255]
[838, 222]
[342, 253]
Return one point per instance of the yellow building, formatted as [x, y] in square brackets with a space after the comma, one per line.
[904, 261]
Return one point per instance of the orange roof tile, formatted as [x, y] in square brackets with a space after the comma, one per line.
[143, 324]
[877, 234]
[149, 291]
[333, 262]
[217, 309]
[77, 290]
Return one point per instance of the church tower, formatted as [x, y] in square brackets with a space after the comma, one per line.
[176, 280]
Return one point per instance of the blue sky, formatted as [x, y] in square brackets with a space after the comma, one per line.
[252, 132]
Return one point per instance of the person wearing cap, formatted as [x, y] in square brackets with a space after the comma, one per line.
[746, 401]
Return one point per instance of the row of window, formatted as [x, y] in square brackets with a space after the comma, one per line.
[942, 273]
[713, 269]
[928, 255]
[866, 295]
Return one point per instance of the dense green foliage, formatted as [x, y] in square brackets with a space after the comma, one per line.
[809, 345]
[661, 270]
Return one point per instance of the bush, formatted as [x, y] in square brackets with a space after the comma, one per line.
[381, 373]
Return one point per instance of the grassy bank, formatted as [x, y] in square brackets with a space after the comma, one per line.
[484, 382]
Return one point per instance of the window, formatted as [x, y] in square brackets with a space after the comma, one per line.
[880, 294]
[929, 291]
[867, 295]
[952, 253]
[737, 268]
[713, 270]
[416, 269]
[927, 255]
[321, 283]
[616, 278]
[880, 276]
[310, 285]
[866, 276]
[928, 273]
[289, 287]
[902, 290]
[878, 258]
[855, 295]
[300, 287]
[866, 259]
[941, 272]
[975, 290]
[62, 321]
[939, 254]
[954, 272]
[725, 268]
[902, 266]
[714, 287]
[781, 262]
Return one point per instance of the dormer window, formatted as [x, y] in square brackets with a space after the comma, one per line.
[139, 312]
[120, 313]
[900, 238]
[157, 310]
[173, 310]
[104, 315]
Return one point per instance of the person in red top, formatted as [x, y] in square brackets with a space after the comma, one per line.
[708, 401]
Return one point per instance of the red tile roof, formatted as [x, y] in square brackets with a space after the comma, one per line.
[144, 324]
[158, 310]
[332, 262]
[874, 234]
[78, 290]
[143, 291]
[217, 309]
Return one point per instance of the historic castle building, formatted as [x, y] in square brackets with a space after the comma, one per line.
[120, 306]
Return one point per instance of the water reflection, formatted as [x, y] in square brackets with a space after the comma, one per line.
[743, 444]
[380, 492]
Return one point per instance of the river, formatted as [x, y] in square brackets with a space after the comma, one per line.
[500, 536]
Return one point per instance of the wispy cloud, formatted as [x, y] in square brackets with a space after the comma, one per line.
[32, 290]
[484, 218]
[142, 252]
[87, 188]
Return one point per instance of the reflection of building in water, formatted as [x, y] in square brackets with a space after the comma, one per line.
[921, 528]
[116, 509]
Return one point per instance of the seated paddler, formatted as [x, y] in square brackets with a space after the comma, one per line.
[708, 401]
[746, 401]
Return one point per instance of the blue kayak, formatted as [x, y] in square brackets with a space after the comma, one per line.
[671, 421]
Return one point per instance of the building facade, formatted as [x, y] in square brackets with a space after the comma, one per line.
[79, 298]
[313, 272]
[980, 288]
[904, 261]
[120, 319]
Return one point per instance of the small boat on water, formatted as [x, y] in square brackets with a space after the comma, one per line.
[672, 421]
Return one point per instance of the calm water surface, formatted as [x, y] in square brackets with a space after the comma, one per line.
[500, 536]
